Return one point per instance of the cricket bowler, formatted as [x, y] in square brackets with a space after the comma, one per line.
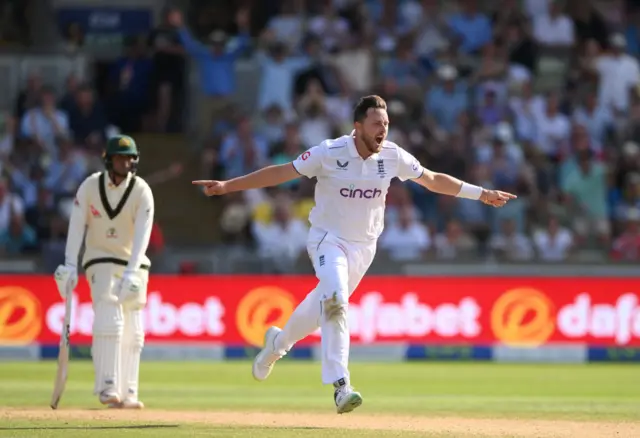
[353, 174]
[116, 209]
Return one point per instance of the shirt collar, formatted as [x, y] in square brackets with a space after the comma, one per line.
[111, 185]
[351, 145]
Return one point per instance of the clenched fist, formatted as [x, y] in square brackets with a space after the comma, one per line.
[211, 187]
[496, 198]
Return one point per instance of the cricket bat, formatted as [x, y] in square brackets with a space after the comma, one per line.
[63, 354]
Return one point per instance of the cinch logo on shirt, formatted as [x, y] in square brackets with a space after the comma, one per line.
[353, 193]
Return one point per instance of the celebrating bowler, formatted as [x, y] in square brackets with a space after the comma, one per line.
[353, 174]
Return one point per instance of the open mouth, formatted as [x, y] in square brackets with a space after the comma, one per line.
[379, 139]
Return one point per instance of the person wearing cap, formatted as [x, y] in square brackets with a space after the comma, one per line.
[116, 209]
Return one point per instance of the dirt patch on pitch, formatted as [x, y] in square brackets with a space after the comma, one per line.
[452, 425]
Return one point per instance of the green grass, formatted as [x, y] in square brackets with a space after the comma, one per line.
[472, 390]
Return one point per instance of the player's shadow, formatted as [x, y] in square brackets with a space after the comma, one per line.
[136, 426]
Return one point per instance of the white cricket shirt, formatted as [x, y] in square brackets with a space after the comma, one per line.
[350, 193]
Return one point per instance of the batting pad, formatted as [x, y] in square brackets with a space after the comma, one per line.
[108, 327]
[132, 344]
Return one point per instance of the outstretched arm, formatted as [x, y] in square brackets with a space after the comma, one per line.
[266, 177]
[449, 185]
[410, 168]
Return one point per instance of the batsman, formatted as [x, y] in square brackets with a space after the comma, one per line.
[115, 208]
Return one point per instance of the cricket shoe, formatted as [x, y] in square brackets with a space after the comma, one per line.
[127, 403]
[109, 396]
[346, 398]
[266, 359]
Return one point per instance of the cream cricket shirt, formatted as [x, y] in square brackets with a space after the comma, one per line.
[350, 193]
[118, 220]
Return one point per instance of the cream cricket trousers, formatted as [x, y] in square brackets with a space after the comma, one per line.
[118, 330]
[339, 266]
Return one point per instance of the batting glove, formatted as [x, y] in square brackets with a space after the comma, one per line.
[130, 287]
[66, 279]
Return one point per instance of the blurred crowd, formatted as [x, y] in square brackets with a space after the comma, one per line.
[537, 97]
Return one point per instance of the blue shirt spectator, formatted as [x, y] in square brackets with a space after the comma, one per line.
[446, 101]
[404, 69]
[597, 119]
[472, 27]
[65, 174]
[215, 65]
[45, 122]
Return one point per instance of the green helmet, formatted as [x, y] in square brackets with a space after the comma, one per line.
[121, 145]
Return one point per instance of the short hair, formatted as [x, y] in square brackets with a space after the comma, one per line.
[366, 102]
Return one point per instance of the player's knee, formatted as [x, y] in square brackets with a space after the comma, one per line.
[107, 319]
[334, 309]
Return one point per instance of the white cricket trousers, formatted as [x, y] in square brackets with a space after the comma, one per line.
[118, 331]
[339, 265]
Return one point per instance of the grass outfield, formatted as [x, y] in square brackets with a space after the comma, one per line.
[405, 399]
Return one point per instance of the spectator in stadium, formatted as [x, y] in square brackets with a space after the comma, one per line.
[630, 199]
[45, 123]
[288, 150]
[471, 28]
[454, 243]
[243, 151]
[40, 215]
[554, 29]
[522, 50]
[18, 238]
[88, 120]
[68, 100]
[66, 172]
[29, 97]
[618, 74]
[287, 26]
[406, 238]
[278, 76]
[316, 125]
[329, 27]
[404, 69]
[216, 67]
[510, 245]
[596, 118]
[553, 128]
[281, 242]
[321, 68]
[169, 68]
[585, 187]
[129, 84]
[554, 243]
[627, 246]
[588, 23]
[447, 100]
[271, 125]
